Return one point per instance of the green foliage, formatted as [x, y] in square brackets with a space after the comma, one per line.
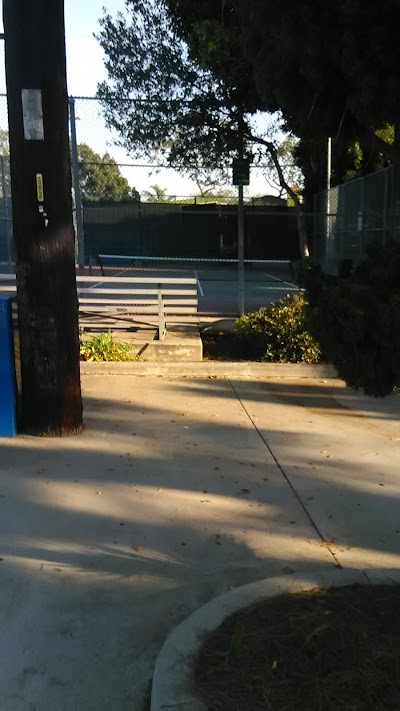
[168, 104]
[156, 194]
[177, 112]
[104, 348]
[281, 332]
[100, 177]
[356, 319]
[321, 87]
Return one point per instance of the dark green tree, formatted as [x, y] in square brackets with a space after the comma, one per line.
[158, 101]
[163, 100]
[332, 69]
[101, 178]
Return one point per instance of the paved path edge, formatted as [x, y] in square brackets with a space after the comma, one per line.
[172, 686]
[211, 369]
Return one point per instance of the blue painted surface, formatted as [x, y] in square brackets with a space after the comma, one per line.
[8, 420]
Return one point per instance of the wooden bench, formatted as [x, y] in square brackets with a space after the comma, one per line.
[125, 298]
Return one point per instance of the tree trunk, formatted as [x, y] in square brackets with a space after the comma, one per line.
[301, 224]
[42, 216]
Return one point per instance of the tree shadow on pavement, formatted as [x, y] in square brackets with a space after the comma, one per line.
[174, 493]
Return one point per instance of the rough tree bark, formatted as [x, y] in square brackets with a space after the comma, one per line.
[42, 216]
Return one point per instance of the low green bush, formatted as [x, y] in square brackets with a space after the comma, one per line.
[280, 333]
[104, 348]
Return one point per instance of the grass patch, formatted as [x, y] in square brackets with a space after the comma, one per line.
[104, 348]
[317, 650]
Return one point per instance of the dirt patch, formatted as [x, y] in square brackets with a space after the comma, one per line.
[230, 347]
[315, 650]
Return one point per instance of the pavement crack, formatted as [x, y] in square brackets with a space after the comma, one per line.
[286, 477]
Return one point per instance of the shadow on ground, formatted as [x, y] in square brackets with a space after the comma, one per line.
[176, 491]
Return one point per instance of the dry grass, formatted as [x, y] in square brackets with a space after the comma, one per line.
[310, 651]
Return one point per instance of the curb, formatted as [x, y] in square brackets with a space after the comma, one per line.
[172, 680]
[210, 369]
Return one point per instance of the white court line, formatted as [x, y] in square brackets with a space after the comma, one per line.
[281, 281]
[199, 284]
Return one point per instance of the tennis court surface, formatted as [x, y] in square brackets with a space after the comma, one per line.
[265, 281]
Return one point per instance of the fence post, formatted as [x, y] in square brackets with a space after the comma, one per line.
[385, 208]
[77, 189]
[6, 211]
[241, 249]
[316, 257]
[361, 219]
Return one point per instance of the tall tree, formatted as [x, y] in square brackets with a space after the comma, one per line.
[42, 216]
[101, 178]
[332, 69]
[163, 101]
[329, 68]
[156, 98]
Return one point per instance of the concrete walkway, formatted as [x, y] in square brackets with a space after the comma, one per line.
[178, 490]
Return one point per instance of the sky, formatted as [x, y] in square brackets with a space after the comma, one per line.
[85, 66]
[85, 69]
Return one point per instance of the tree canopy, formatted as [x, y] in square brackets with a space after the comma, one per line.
[157, 99]
[163, 99]
[332, 69]
[100, 177]
[322, 64]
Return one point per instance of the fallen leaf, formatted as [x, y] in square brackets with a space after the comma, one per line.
[138, 549]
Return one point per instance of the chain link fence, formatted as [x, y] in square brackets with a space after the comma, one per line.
[352, 215]
[132, 207]
[164, 219]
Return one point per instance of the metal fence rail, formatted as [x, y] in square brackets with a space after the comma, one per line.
[352, 215]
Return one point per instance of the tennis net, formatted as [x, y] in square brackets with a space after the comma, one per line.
[266, 270]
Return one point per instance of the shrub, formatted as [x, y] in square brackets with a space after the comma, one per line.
[356, 319]
[104, 348]
[280, 331]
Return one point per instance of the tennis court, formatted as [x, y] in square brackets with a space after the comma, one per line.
[217, 279]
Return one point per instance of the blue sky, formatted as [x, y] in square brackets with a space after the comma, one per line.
[85, 66]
